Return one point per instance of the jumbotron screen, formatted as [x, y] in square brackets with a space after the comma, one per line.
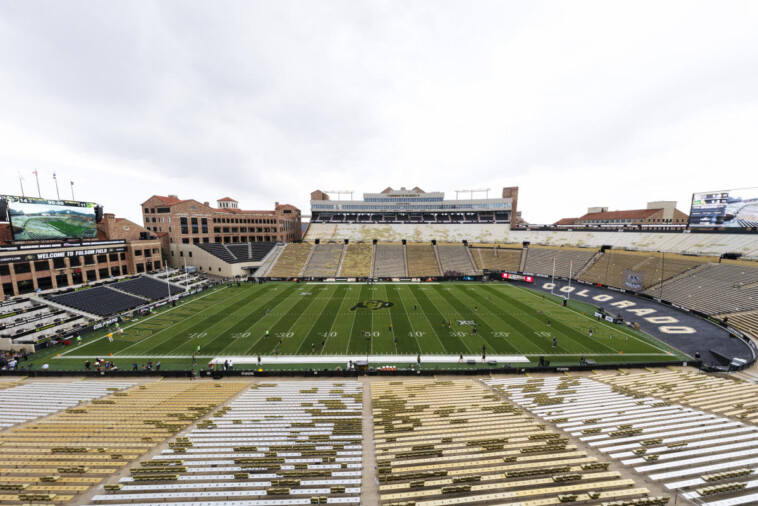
[725, 208]
[34, 219]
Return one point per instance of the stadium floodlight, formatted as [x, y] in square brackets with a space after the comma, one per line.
[471, 192]
[339, 193]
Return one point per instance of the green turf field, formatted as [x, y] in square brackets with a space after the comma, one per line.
[312, 319]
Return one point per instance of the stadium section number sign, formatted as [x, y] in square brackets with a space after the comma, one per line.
[34, 219]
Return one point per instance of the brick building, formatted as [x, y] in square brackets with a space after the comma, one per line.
[661, 213]
[189, 221]
[121, 248]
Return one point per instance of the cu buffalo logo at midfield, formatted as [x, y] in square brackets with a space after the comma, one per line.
[373, 305]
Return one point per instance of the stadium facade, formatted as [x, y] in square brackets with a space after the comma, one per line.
[122, 247]
[415, 206]
[188, 221]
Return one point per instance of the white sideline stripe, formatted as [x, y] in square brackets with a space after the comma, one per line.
[355, 283]
[330, 359]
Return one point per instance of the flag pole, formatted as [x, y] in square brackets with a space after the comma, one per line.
[21, 182]
[36, 176]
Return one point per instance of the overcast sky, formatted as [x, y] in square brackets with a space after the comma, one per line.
[577, 103]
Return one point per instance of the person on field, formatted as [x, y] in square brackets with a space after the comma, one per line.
[555, 342]
[266, 336]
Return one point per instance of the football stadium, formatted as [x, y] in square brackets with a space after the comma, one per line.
[401, 349]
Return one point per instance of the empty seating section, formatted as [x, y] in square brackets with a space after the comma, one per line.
[457, 442]
[99, 300]
[422, 261]
[389, 261]
[722, 396]
[496, 258]
[676, 242]
[714, 288]
[746, 322]
[147, 287]
[357, 261]
[296, 442]
[412, 232]
[30, 401]
[653, 267]
[455, 258]
[242, 252]
[700, 454]
[220, 251]
[55, 459]
[540, 260]
[291, 262]
[324, 261]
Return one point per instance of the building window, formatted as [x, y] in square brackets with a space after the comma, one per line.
[21, 268]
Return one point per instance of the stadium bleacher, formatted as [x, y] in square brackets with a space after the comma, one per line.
[99, 300]
[567, 260]
[653, 268]
[238, 252]
[291, 262]
[746, 321]
[455, 258]
[674, 242]
[57, 458]
[697, 453]
[146, 287]
[682, 447]
[455, 442]
[496, 258]
[296, 442]
[324, 261]
[422, 260]
[412, 232]
[389, 261]
[714, 288]
[31, 401]
[357, 261]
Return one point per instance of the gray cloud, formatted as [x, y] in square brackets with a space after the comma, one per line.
[580, 104]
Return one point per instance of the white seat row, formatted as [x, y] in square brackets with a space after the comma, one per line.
[665, 441]
[264, 423]
[30, 401]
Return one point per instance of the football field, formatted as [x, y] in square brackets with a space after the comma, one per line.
[312, 321]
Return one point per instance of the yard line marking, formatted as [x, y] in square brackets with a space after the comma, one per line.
[211, 292]
[169, 326]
